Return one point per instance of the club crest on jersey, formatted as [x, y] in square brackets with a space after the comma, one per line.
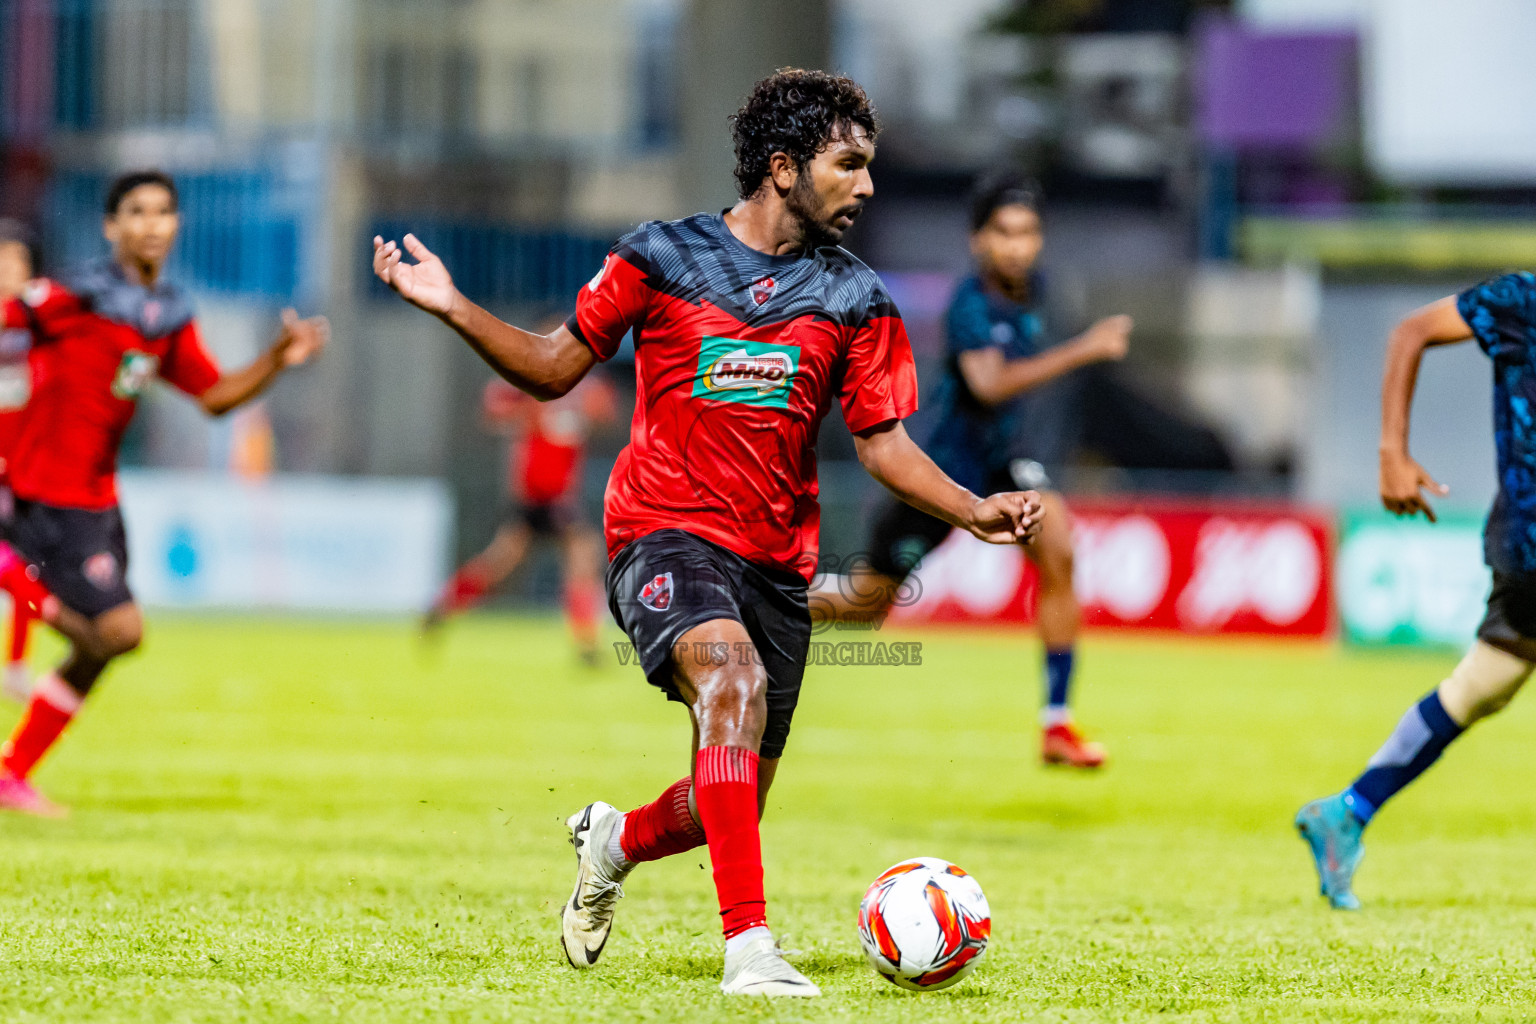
[762, 290]
[657, 594]
[134, 374]
[746, 371]
[101, 570]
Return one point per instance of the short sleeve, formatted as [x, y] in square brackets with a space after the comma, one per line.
[1502, 314]
[44, 307]
[967, 327]
[15, 316]
[879, 382]
[615, 300]
[187, 364]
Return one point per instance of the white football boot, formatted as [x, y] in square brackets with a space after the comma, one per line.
[587, 917]
[759, 969]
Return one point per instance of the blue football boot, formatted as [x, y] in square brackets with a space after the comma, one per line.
[1333, 832]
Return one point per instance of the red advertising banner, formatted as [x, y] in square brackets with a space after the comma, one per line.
[1210, 568]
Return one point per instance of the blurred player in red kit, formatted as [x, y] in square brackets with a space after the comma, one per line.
[16, 269]
[100, 336]
[544, 491]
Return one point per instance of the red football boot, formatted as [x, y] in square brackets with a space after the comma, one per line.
[18, 795]
[1062, 744]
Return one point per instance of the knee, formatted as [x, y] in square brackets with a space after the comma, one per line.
[118, 638]
[733, 707]
[746, 689]
[1483, 684]
[1054, 560]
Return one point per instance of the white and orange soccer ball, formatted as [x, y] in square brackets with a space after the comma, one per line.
[924, 924]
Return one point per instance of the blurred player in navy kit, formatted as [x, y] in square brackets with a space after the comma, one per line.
[1500, 315]
[997, 352]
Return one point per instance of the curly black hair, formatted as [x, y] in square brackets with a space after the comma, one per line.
[1005, 187]
[796, 112]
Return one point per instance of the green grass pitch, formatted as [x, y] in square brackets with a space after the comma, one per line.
[282, 821]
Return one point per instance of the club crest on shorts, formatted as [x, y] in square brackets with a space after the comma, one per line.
[101, 569]
[657, 594]
[762, 290]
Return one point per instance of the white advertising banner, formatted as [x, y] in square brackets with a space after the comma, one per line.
[1448, 88]
[342, 544]
[1406, 581]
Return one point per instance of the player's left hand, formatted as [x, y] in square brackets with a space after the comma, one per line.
[1011, 517]
[301, 340]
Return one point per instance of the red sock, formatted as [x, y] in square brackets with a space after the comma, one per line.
[725, 789]
[21, 629]
[465, 589]
[662, 828]
[52, 706]
[581, 610]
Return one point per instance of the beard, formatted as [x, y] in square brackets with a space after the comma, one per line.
[818, 227]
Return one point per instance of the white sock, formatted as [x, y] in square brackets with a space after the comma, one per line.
[1055, 714]
[621, 864]
[736, 943]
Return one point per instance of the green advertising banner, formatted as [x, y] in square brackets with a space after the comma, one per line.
[1407, 581]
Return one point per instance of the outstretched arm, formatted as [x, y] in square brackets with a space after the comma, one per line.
[546, 366]
[1402, 479]
[993, 379]
[298, 342]
[890, 455]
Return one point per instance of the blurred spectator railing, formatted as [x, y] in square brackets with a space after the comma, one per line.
[504, 263]
[93, 65]
[236, 239]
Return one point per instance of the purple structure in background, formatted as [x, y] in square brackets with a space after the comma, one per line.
[1272, 91]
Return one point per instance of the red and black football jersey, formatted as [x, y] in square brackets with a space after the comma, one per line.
[738, 355]
[97, 343]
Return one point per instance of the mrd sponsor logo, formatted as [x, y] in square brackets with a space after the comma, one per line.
[1272, 569]
[746, 371]
[738, 370]
[1122, 564]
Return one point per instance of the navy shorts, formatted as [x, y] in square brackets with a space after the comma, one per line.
[903, 536]
[1510, 623]
[82, 555]
[670, 581]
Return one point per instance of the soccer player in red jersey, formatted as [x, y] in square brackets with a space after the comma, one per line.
[99, 338]
[747, 325]
[16, 269]
[544, 484]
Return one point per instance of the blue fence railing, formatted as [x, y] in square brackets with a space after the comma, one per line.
[502, 263]
[236, 237]
[103, 65]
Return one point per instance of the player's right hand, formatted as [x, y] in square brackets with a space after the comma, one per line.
[1403, 482]
[425, 284]
[1108, 340]
[1012, 517]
